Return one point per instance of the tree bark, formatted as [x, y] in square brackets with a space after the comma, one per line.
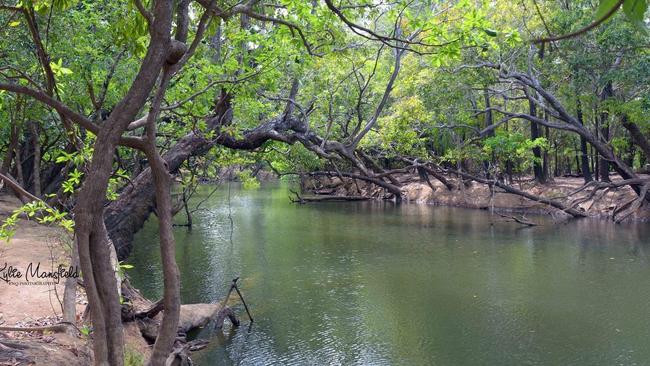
[11, 149]
[637, 136]
[584, 155]
[603, 164]
[20, 177]
[537, 152]
[90, 231]
[36, 166]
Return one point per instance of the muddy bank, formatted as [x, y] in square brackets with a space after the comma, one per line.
[470, 194]
[32, 328]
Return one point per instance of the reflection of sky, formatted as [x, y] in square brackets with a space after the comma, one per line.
[378, 283]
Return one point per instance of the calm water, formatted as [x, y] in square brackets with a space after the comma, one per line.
[384, 284]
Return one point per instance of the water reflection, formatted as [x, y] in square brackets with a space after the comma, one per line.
[379, 283]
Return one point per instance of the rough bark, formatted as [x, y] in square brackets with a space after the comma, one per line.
[603, 164]
[584, 155]
[11, 148]
[36, 166]
[637, 136]
[90, 231]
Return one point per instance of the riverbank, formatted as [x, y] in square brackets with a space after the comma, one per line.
[37, 303]
[32, 326]
[602, 203]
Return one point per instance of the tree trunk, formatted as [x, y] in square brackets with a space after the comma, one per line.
[584, 155]
[36, 166]
[90, 230]
[603, 164]
[20, 177]
[488, 122]
[537, 152]
[11, 149]
[94, 254]
[126, 215]
[637, 136]
[545, 160]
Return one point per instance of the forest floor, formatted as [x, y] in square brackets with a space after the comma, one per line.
[603, 203]
[32, 243]
[36, 304]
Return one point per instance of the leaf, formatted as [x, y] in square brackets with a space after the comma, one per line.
[14, 24]
[604, 7]
[490, 32]
[635, 11]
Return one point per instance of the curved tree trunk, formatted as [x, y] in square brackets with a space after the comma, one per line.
[637, 136]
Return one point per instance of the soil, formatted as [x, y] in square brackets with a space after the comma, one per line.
[37, 304]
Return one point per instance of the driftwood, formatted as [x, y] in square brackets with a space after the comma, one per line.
[323, 198]
[192, 316]
[520, 220]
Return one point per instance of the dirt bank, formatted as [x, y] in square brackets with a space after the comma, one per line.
[36, 303]
[27, 301]
[603, 204]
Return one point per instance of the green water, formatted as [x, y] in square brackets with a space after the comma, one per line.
[384, 284]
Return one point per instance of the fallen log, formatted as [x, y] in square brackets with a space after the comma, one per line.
[325, 198]
[198, 315]
[520, 220]
[334, 198]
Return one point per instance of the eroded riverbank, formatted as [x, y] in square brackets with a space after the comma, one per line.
[603, 203]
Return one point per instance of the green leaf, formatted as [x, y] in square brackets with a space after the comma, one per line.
[635, 11]
[14, 24]
[490, 32]
[604, 7]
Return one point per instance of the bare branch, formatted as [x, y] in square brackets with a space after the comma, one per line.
[53, 103]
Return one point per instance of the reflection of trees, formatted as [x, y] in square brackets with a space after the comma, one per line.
[371, 282]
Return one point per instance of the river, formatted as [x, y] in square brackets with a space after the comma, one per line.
[374, 283]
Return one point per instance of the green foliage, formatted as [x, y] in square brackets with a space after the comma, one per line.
[514, 148]
[133, 357]
[503, 148]
[39, 211]
[122, 267]
[433, 108]
[399, 131]
[85, 330]
[634, 10]
[248, 180]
